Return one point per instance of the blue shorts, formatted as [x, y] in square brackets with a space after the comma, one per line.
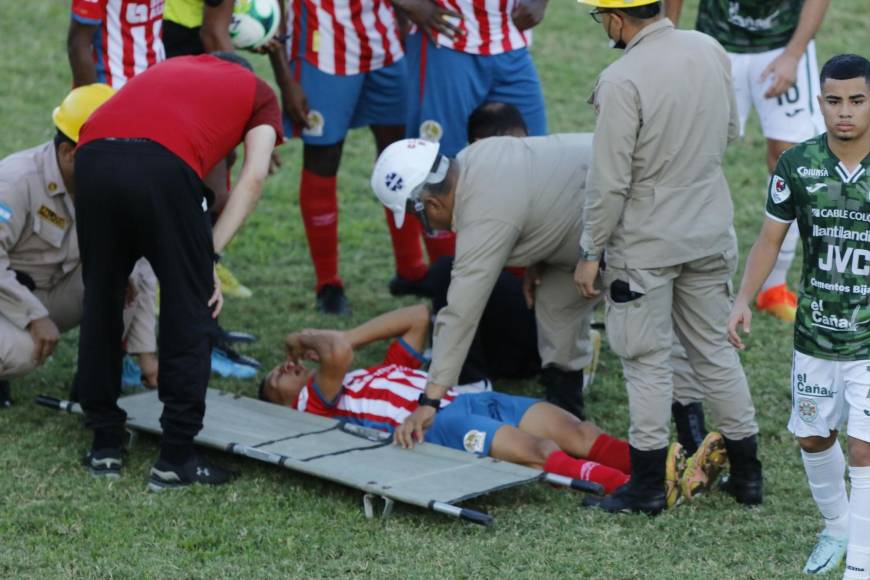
[339, 103]
[445, 86]
[469, 423]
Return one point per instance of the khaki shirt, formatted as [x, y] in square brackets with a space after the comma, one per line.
[518, 202]
[37, 231]
[657, 195]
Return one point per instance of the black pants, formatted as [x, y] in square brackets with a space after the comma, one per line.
[133, 199]
[505, 345]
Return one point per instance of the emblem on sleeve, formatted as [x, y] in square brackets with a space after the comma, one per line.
[779, 190]
[5, 213]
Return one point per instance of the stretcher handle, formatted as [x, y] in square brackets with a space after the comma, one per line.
[576, 484]
[479, 518]
[55, 403]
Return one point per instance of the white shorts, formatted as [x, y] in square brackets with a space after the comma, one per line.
[792, 117]
[824, 393]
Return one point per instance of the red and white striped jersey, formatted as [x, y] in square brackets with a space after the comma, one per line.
[129, 38]
[486, 25]
[380, 397]
[343, 37]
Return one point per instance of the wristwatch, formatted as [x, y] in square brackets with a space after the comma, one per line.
[424, 400]
[589, 256]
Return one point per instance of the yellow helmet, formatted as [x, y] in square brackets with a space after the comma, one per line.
[78, 105]
[616, 4]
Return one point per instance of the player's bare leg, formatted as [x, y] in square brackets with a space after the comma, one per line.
[572, 435]
[858, 551]
[518, 446]
[411, 270]
[318, 202]
[825, 465]
[775, 298]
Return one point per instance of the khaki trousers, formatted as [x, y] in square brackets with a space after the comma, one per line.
[692, 300]
[64, 303]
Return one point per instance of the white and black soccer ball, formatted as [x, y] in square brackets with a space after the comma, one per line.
[254, 22]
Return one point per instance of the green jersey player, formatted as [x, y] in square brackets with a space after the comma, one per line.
[773, 70]
[823, 185]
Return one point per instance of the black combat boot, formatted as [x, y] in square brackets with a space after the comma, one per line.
[564, 389]
[689, 420]
[645, 492]
[745, 481]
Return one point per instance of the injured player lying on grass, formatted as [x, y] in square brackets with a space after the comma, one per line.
[511, 428]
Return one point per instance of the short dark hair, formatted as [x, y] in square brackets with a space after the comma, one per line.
[60, 138]
[261, 391]
[642, 12]
[233, 58]
[494, 120]
[845, 66]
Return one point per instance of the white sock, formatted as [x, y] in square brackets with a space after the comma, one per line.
[784, 259]
[858, 552]
[826, 476]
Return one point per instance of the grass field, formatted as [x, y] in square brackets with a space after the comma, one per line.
[56, 521]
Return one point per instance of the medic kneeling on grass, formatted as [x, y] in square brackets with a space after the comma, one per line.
[507, 427]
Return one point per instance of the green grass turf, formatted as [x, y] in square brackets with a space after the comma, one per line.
[56, 521]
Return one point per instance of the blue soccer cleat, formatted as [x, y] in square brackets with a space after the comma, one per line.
[223, 366]
[827, 554]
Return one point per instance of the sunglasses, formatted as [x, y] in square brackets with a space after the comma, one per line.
[596, 14]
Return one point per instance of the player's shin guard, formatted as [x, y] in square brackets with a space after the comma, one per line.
[825, 474]
[319, 205]
[745, 482]
[858, 551]
[645, 492]
[561, 463]
[406, 247]
[784, 259]
[440, 244]
[611, 452]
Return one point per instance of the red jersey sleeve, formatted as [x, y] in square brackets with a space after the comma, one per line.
[403, 354]
[89, 11]
[266, 111]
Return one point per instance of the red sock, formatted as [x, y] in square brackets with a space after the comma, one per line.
[406, 247]
[561, 463]
[319, 204]
[612, 452]
[440, 244]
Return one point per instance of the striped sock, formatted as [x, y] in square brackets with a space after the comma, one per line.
[561, 463]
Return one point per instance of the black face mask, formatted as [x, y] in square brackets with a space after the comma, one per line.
[618, 44]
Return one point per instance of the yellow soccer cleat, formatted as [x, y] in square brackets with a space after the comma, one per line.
[675, 465]
[589, 370]
[703, 468]
[778, 301]
[230, 285]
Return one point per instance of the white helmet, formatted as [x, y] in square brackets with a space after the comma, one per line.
[401, 172]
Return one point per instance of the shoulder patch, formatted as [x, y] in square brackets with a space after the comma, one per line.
[5, 213]
[779, 191]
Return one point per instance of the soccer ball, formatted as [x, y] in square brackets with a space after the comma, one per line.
[254, 22]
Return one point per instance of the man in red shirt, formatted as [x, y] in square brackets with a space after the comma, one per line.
[140, 167]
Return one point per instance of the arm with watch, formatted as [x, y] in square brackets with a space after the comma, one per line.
[610, 178]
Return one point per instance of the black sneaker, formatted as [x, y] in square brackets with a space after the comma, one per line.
[399, 286]
[5, 395]
[198, 469]
[331, 300]
[104, 462]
